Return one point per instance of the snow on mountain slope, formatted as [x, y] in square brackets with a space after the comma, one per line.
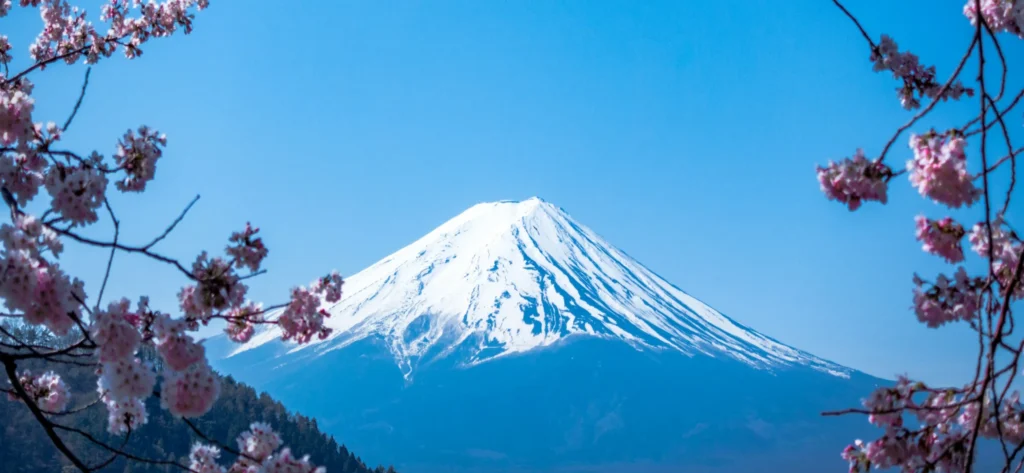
[512, 276]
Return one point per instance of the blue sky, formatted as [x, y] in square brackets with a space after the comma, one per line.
[686, 133]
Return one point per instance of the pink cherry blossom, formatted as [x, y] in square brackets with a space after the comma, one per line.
[41, 291]
[111, 329]
[30, 235]
[329, 286]
[856, 180]
[941, 237]
[218, 289]
[178, 349]
[939, 169]
[203, 459]
[137, 155]
[47, 391]
[121, 380]
[247, 251]
[77, 191]
[257, 443]
[980, 241]
[241, 321]
[284, 462]
[948, 300]
[124, 415]
[1000, 15]
[21, 173]
[16, 106]
[916, 78]
[189, 393]
[303, 318]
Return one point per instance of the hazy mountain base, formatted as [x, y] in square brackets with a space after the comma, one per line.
[584, 405]
[25, 448]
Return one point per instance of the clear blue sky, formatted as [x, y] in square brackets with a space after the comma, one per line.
[686, 133]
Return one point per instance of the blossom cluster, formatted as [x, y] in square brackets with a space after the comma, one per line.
[247, 249]
[853, 181]
[37, 288]
[47, 391]
[948, 300]
[939, 169]
[941, 237]
[918, 81]
[1000, 15]
[303, 318]
[137, 155]
[257, 447]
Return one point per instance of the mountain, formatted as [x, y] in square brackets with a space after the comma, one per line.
[513, 338]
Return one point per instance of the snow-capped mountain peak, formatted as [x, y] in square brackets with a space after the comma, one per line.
[512, 276]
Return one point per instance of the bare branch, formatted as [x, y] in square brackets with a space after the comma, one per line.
[74, 111]
[173, 224]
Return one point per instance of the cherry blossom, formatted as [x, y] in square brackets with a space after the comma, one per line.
[21, 174]
[303, 318]
[191, 392]
[16, 106]
[118, 339]
[177, 348]
[47, 390]
[329, 286]
[41, 291]
[218, 289]
[856, 180]
[77, 191]
[125, 379]
[203, 459]
[241, 321]
[916, 78]
[30, 235]
[124, 415]
[285, 462]
[939, 169]
[137, 155]
[941, 237]
[948, 299]
[1000, 15]
[257, 443]
[247, 251]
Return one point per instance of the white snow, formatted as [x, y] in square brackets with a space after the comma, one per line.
[478, 272]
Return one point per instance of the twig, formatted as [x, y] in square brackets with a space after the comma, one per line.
[113, 250]
[74, 111]
[173, 224]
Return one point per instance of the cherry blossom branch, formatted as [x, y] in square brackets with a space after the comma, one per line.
[1016, 100]
[856, 22]
[906, 126]
[120, 452]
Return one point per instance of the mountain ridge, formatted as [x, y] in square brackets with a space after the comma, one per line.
[508, 277]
